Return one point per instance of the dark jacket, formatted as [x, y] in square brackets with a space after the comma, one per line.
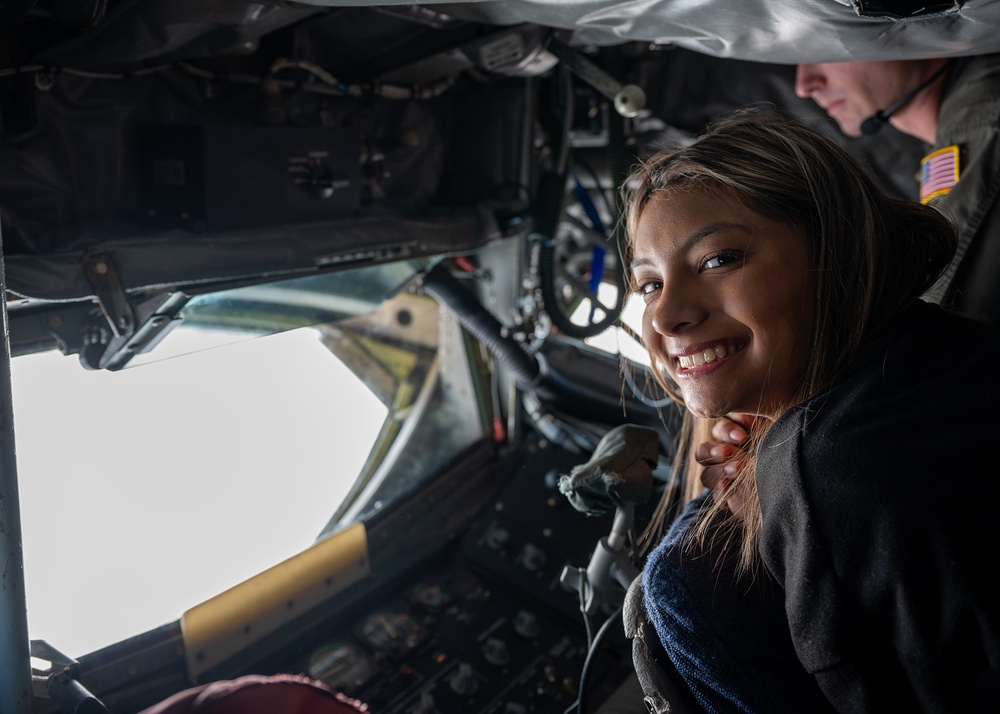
[969, 118]
[722, 634]
[879, 499]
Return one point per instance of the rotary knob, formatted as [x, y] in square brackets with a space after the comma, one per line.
[496, 651]
[425, 705]
[464, 681]
[526, 624]
[497, 537]
[533, 558]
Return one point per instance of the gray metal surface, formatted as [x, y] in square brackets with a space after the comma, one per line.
[15, 666]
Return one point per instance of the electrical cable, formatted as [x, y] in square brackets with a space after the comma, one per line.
[311, 67]
[630, 379]
[581, 697]
[606, 194]
[582, 574]
[640, 396]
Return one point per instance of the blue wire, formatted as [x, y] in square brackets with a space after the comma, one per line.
[599, 253]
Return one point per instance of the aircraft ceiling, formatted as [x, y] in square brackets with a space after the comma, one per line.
[778, 31]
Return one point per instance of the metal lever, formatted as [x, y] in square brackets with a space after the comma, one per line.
[628, 99]
[609, 565]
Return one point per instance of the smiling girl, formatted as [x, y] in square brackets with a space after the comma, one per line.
[836, 566]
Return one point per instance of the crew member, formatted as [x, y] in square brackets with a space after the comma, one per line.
[954, 106]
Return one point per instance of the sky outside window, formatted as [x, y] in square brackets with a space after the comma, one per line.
[146, 491]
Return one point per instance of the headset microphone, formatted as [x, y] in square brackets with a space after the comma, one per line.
[873, 124]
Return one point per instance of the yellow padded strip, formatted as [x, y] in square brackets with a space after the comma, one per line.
[226, 624]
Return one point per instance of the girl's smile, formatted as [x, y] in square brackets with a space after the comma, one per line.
[698, 357]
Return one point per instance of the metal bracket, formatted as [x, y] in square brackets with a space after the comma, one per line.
[127, 329]
[102, 274]
[63, 684]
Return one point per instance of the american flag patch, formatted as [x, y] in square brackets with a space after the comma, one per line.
[938, 173]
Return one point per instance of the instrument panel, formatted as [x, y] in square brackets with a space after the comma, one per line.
[491, 630]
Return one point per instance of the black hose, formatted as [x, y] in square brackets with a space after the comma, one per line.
[547, 384]
[447, 290]
[71, 696]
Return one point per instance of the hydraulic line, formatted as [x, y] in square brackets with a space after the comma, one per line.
[447, 290]
[531, 372]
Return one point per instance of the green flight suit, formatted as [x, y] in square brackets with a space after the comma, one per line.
[970, 118]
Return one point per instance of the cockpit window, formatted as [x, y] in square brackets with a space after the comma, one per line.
[270, 416]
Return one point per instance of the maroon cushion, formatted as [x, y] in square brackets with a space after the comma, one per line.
[254, 693]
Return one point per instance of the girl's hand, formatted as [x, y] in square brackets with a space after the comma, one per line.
[722, 459]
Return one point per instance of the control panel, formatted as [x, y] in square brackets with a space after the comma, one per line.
[454, 643]
[491, 630]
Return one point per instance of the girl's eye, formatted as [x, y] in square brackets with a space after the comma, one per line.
[648, 287]
[720, 259]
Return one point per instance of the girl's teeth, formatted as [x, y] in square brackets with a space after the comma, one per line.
[700, 358]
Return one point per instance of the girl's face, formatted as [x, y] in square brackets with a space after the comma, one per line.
[728, 296]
